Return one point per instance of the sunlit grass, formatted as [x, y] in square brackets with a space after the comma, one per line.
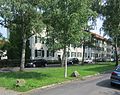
[46, 76]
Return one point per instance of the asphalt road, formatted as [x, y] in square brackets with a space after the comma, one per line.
[99, 85]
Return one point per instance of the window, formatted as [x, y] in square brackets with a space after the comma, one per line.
[108, 55]
[47, 53]
[68, 54]
[99, 55]
[79, 54]
[96, 55]
[42, 42]
[38, 40]
[35, 39]
[73, 54]
[85, 54]
[102, 55]
[51, 53]
[35, 53]
[42, 53]
[92, 54]
[39, 53]
[89, 55]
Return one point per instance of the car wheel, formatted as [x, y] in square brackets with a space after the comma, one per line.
[72, 63]
[45, 65]
[112, 84]
[34, 65]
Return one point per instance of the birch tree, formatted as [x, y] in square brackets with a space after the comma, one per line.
[68, 19]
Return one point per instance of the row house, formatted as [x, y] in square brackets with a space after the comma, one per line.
[101, 49]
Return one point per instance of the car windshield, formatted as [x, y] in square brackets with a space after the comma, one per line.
[118, 69]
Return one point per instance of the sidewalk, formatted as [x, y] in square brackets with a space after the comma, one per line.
[4, 91]
[9, 69]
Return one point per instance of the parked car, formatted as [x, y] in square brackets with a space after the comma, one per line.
[88, 61]
[73, 61]
[118, 59]
[112, 59]
[37, 63]
[115, 76]
[99, 60]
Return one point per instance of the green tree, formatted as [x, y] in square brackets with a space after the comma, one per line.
[68, 19]
[23, 15]
[111, 25]
[15, 45]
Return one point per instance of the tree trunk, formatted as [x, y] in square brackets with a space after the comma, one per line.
[116, 53]
[64, 61]
[24, 42]
[23, 55]
[83, 55]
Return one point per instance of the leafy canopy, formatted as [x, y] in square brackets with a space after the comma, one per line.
[111, 12]
[67, 20]
[21, 13]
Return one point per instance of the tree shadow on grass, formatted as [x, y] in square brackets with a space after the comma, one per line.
[24, 75]
[106, 84]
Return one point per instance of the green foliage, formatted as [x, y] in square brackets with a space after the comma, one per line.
[111, 12]
[15, 45]
[96, 6]
[111, 25]
[23, 17]
[68, 19]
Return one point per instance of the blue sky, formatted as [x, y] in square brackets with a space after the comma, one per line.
[3, 31]
[99, 23]
[96, 30]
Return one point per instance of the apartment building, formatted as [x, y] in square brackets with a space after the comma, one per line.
[101, 49]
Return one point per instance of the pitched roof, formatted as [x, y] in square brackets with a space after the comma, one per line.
[98, 36]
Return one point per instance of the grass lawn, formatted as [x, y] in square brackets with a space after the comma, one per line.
[46, 76]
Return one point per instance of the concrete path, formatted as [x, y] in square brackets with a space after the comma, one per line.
[4, 91]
